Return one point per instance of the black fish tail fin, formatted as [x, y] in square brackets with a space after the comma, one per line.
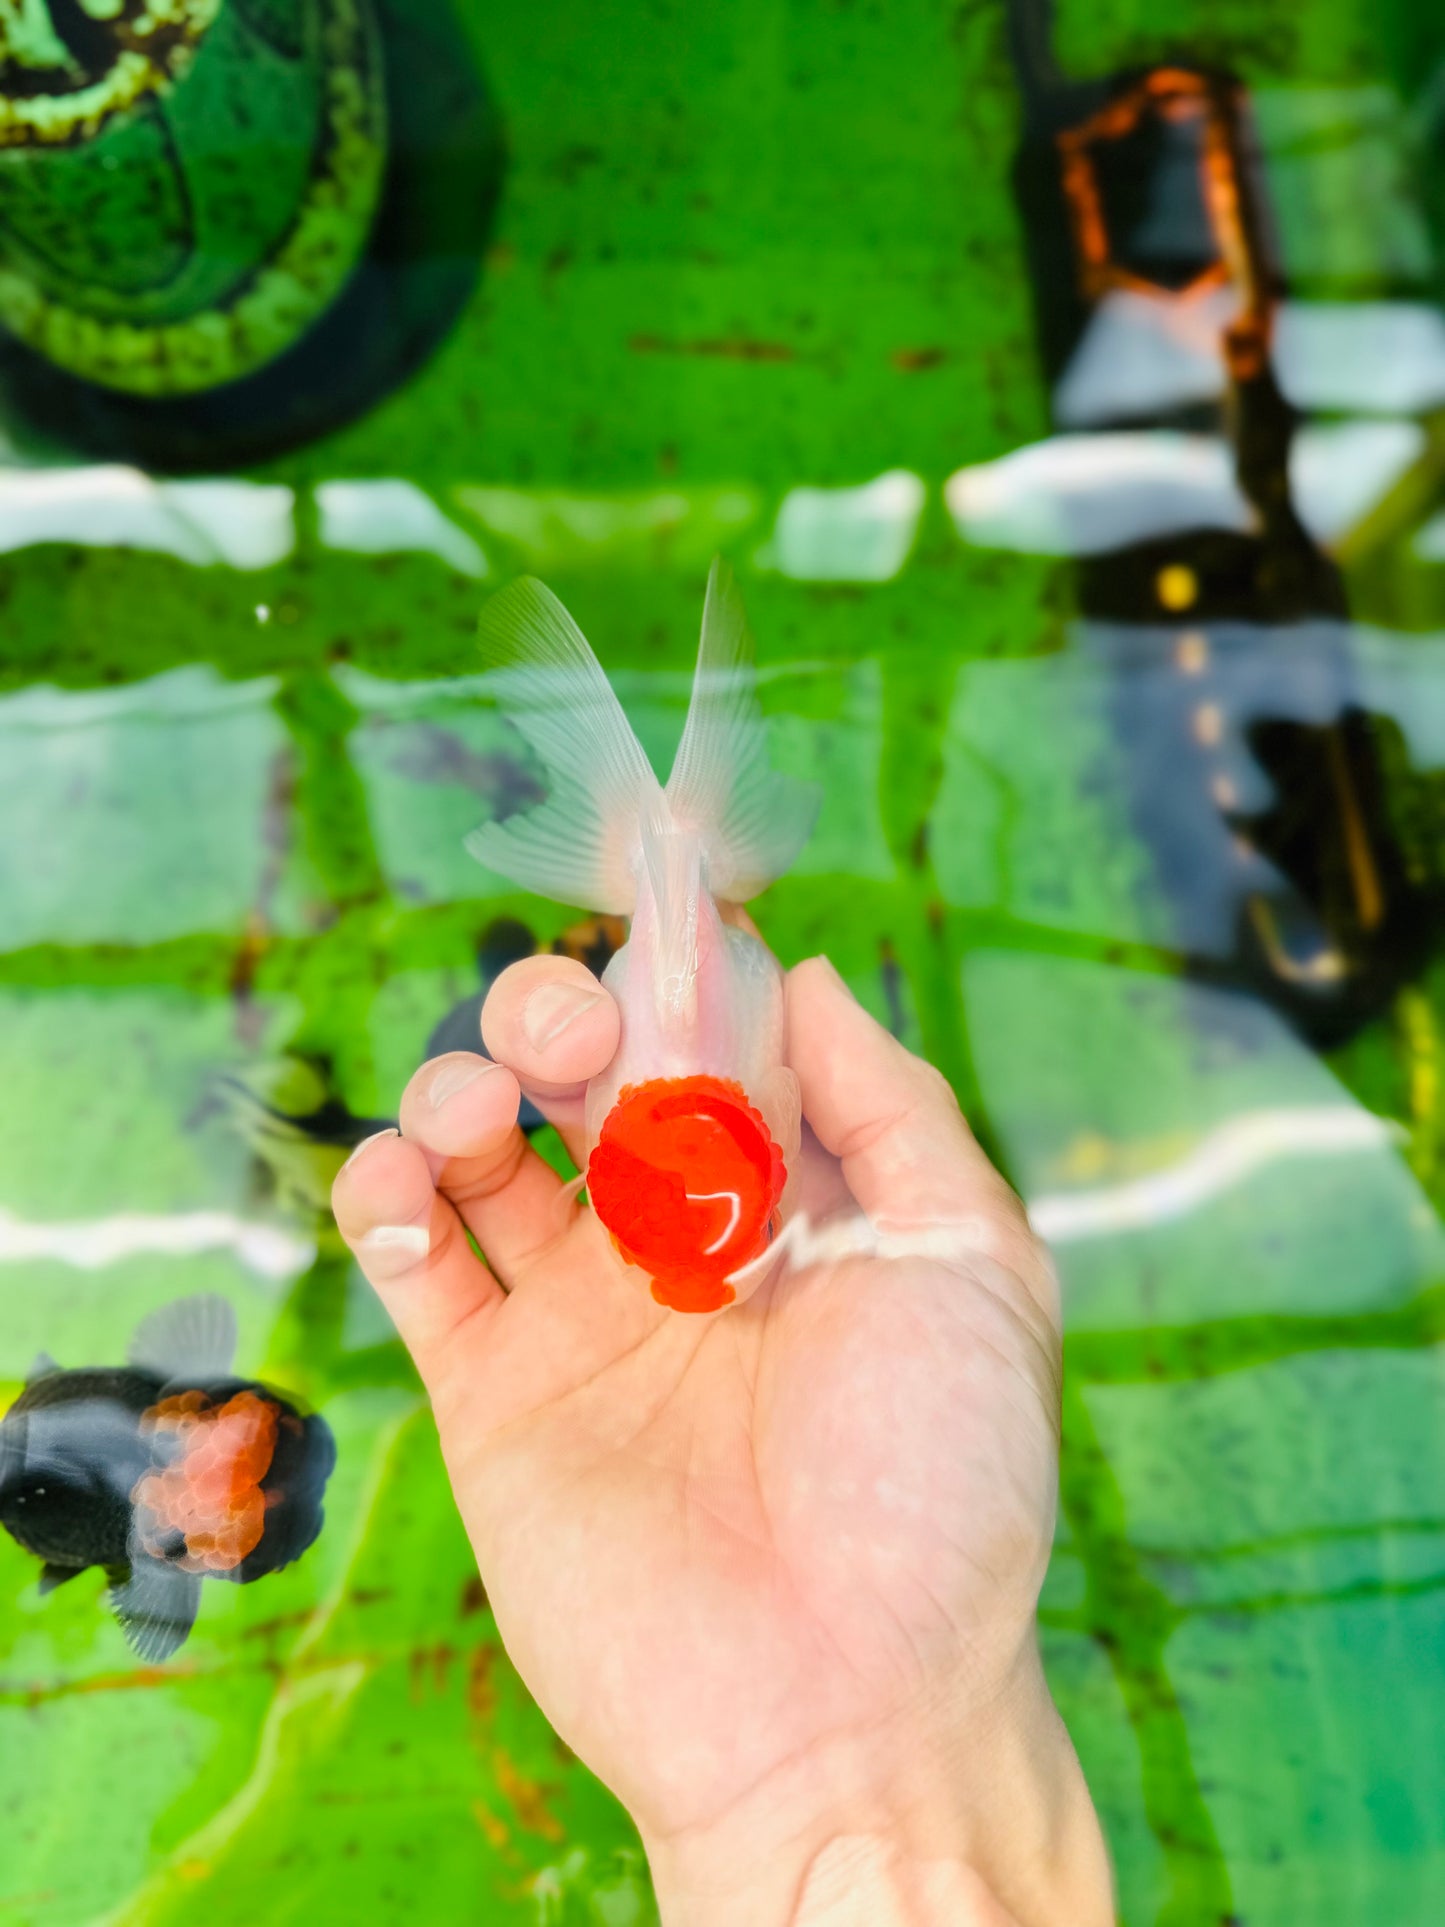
[156, 1605]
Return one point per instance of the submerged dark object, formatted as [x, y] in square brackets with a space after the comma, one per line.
[300, 1151]
[163, 1471]
[506, 942]
[222, 237]
[1145, 188]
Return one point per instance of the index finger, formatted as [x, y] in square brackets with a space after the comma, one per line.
[554, 1026]
[894, 1124]
[409, 1241]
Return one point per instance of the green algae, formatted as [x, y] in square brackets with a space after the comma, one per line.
[681, 318]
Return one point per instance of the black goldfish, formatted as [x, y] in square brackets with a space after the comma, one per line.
[163, 1471]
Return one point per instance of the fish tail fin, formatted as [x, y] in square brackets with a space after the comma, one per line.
[750, 819]
[582, 844]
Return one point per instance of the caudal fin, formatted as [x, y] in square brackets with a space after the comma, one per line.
[579, 846]
[751, 819]
[605, 810]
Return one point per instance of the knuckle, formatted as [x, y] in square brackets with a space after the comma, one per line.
[473, 1181]
[934, 1088]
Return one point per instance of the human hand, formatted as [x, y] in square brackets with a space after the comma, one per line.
[771, 1573]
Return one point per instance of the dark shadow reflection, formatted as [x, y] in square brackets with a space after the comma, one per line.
[1233, 667]
[298, 1149]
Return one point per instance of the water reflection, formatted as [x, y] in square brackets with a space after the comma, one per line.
[246, 525]
[163, 787]
[1226, 1175]
[392, 517]
[1089, 494]
[1284, 781]
[93, 1244]
[1158, 282]
[1108, 800]
[1233, 1151]
[164, 1471]
[1257, 774]
[847, 534]
[1140, 357]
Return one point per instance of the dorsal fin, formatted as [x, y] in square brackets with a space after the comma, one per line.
[194, 1338]
[43, 1367]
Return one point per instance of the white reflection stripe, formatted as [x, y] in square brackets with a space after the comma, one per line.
[853, 1235]
[859, 534]
[248, 525]
[389, 516]
[1222, 1159]
[91, 1244]
[1085, 494]
[734, 1200]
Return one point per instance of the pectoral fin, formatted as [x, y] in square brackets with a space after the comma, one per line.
[156, 1605]
[52, 1576]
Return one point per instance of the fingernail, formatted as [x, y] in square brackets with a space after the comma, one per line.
[551, 1008]
[389, 1249]
[390, 1131]
[455, 1076]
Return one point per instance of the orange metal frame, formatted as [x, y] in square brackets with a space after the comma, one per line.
[1175, 94]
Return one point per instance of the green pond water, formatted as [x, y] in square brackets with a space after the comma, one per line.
[1151, 865]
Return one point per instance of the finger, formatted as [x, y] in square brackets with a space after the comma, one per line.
[460, 1111]
[552, 1024]
[410, 1243]
[815, 1182]
[893, 1121]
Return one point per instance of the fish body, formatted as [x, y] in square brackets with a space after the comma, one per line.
[70, 1454]
[693, 1128]
[163, 1472]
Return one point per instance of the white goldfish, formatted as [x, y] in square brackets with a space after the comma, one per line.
[693, 1128]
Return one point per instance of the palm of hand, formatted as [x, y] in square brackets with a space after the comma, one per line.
[713, 1546]
[726, 1549]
